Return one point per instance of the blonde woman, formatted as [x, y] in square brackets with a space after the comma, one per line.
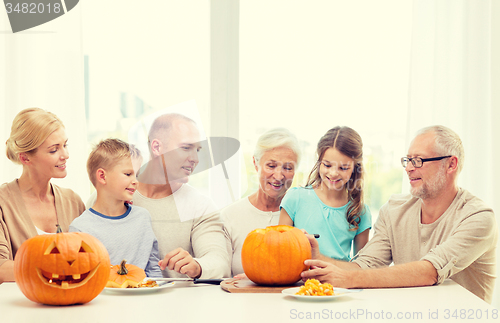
[31, 205]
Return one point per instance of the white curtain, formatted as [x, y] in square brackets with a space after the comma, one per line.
[450, 84]
[43, 67]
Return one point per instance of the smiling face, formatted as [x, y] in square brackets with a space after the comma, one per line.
[275, 170]
[121, 180]
[335, 170]
[49, 160]
[180, 150]
[429, 180]
[58, 278]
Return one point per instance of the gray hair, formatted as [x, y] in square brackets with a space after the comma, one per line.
[447, 143]
[276, 138]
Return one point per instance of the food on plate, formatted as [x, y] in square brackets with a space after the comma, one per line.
[275, 255]
[149, 283]
[312, 287]
[125, 276]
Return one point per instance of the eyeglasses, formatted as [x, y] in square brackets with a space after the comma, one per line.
[418, 162]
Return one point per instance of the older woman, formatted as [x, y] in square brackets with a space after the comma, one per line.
[275, 159]
[31, 205]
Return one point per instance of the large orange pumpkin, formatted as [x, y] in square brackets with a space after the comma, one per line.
[125, 276]
[275, 255]
[62, 268]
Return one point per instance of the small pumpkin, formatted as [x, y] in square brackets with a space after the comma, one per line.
[275, 255]
[62, 268]
[125, 276]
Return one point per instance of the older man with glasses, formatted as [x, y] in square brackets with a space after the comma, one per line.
[438, 231]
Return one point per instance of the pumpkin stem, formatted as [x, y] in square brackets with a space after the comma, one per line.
[123, 270]
[59, 230]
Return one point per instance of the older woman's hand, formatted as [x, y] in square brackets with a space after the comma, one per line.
[240, 276]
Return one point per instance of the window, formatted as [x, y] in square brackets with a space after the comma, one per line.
[310, 66]
[304, 66]
[149, 58]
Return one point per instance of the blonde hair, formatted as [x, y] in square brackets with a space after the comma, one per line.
[106, 153]
[30, 128]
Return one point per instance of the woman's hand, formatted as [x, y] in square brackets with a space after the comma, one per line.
[7, 271]
[240, 276]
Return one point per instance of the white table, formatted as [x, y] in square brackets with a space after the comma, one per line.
[186, 302]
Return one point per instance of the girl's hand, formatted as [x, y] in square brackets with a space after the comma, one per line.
[315, 254]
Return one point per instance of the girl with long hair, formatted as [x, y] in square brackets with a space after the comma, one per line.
[331, 204]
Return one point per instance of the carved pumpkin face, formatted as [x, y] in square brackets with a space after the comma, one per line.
[275, 255]
[62, 268]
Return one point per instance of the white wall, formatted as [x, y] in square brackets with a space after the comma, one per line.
[43, 67]
[495, 122]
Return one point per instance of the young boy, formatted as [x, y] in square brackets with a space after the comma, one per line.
[123, 228]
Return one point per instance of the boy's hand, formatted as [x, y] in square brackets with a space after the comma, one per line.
[182, 262]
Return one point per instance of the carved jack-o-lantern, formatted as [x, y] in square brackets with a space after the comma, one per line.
[62, 268]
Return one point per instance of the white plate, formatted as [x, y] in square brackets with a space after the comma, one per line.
[338, 292]
[140, 290]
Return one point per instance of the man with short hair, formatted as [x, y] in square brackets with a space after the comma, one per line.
[438, 231]
[185, 222]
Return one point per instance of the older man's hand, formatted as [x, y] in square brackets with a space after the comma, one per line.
[327, 272]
